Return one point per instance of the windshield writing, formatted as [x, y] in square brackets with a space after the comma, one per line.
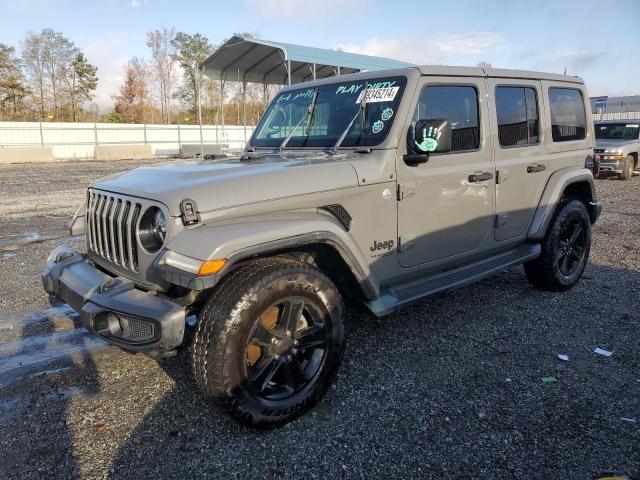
[335, 106]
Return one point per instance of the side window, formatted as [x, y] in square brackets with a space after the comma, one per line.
[517, 113]
[459, 105]
[568, 118]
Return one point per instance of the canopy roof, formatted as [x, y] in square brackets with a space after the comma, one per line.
[261, 61]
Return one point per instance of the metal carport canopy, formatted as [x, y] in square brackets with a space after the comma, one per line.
[261, 61]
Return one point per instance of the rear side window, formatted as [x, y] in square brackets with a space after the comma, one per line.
[568, 118]
[459, 105]
[517, 113]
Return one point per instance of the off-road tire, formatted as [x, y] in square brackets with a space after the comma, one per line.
[544, 272]
[627, 171]
[225, 325]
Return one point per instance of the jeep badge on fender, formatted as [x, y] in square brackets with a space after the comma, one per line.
[387, 245]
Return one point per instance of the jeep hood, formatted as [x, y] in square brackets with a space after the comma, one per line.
[230, 182]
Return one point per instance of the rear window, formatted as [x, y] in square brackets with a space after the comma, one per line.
[568, 118]
[517, 113]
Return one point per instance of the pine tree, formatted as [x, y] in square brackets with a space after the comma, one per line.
[83, 81]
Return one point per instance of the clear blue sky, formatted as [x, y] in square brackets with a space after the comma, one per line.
[536, 35]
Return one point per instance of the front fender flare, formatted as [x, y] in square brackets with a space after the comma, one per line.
[242, 238]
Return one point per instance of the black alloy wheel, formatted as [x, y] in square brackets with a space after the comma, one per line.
[573, 240]
[286, 348]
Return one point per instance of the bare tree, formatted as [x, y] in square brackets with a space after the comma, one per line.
[33, 57]
[163, 61]
[58, 57]
[48, 58]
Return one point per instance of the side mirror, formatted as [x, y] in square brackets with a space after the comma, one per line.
[432, 135]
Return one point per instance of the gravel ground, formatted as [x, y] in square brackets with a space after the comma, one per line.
[448, 388]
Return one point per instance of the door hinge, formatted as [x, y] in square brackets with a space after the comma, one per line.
[406, 190]
[406, 242]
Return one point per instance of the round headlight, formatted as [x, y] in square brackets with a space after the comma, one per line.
[152, 231]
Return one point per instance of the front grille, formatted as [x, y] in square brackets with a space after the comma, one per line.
[111, 228]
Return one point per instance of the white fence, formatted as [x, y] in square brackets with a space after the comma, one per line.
[78, 140]
[617, 116]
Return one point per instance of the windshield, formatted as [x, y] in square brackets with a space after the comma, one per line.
[336, 105]
[617, 131]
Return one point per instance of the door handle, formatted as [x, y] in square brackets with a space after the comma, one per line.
[480, 177]
[538, 167]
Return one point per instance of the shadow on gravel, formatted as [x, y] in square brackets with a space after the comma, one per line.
[450, 387]
[37, 375]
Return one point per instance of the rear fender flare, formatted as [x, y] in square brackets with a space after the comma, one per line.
[553, 192]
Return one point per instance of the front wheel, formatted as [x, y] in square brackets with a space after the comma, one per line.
[627, 168]
[269, 341]
[565, 249]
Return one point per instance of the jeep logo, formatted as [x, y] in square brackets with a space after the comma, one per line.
[387, 245]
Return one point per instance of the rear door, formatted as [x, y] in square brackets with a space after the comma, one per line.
[445, 208]
[522, 167]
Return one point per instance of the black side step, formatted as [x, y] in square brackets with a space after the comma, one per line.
[409, 292]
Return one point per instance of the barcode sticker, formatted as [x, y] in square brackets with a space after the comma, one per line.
[375, 95]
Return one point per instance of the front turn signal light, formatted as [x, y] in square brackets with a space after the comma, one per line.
[211, 267]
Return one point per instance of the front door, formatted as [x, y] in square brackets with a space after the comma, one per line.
[445, 207]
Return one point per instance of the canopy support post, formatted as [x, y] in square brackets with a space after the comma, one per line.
[244, 110]
[289, 72]
[201, 76]
[314, 71]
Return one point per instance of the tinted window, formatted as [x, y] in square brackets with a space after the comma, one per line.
[459, 105]
[517, 113]
[617, 131]
[568, 119]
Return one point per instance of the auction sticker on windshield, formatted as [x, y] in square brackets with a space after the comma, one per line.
[375, 95]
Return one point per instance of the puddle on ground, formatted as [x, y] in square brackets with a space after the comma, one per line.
[33, 355]
[45, 349]
[12, 244]
[54, 315]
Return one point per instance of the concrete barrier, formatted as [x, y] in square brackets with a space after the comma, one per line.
[123, 152]
[26, 154]
[190, 150]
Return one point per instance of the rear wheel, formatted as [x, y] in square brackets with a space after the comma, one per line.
[565, 249]
[270, 341]
[627, 169]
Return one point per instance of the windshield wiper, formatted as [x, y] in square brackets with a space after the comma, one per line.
[362, 112]
[308, 116]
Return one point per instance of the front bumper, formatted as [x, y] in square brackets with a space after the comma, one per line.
[112, 307]
[611, 165]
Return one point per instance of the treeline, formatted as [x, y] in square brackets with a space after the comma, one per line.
[48, 78]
